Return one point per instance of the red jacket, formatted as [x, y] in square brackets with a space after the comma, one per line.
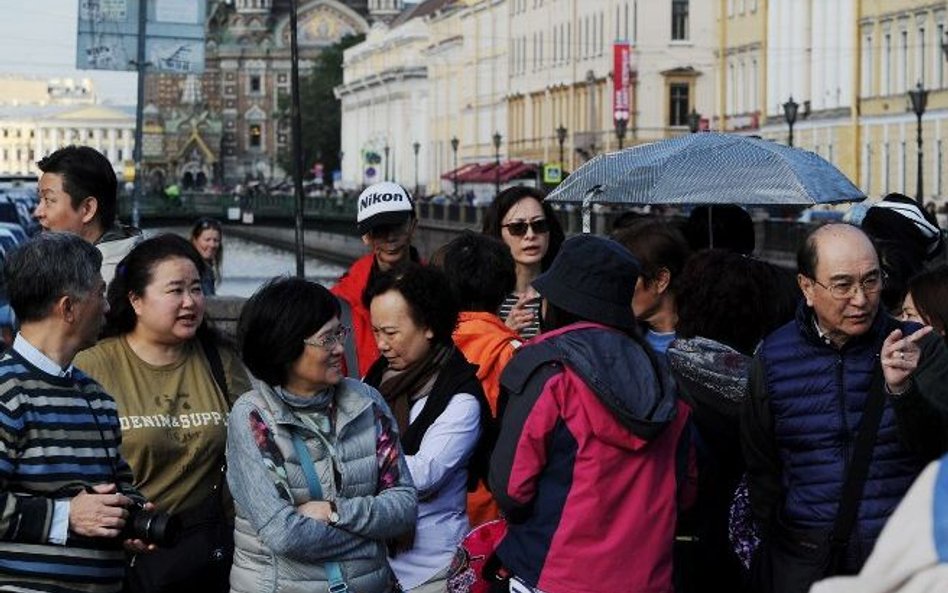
[592, 457]
[350, 288]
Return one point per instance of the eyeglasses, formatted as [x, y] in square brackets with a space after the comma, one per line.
[846, 289]
[519, 228]
[328, 341]
[208, 223]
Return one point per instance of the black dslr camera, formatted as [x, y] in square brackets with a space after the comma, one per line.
[155, 527]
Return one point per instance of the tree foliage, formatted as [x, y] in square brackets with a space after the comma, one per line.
[321, 112]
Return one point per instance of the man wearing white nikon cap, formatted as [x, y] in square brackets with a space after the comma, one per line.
[386, 222]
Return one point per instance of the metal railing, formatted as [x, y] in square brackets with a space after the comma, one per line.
[776, 239]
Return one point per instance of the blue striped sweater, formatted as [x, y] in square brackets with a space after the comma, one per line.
[57, 436]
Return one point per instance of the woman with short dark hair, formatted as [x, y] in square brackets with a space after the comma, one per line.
[314, 461]
[439, 404]
[207, 236]
[926, 301]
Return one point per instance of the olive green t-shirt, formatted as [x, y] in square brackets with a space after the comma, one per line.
[173, 418]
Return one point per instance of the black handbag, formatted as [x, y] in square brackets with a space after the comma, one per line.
[201, 558]
[790, 560]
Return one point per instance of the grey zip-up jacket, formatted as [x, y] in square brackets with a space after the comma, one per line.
[279, 549]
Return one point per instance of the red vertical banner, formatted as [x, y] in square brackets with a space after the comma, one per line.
[621, 56]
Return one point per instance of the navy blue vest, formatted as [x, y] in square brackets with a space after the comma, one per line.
[818, 395]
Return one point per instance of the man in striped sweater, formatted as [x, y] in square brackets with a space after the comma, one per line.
[63, 484]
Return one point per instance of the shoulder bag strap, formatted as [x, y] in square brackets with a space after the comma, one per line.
[859, 464]
[337, 584]
[217, 367]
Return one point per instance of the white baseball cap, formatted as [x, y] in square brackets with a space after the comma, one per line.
[384, 203]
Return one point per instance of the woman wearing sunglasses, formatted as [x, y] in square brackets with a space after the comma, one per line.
[315, 464]
[207, 238]
[521, 219]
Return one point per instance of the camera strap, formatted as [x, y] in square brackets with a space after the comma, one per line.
[337, 584]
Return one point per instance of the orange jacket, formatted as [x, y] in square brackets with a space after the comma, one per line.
[350, 288]
[486, 342]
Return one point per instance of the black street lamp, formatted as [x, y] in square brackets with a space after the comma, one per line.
[454, 146]
[415, 148]
[622, 125]
[386, 149]
[694, 121]
[790, 114]
[497, 139]
[944, 45]
[561, 133]
[919, 98]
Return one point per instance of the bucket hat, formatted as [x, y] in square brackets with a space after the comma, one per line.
[594, 279]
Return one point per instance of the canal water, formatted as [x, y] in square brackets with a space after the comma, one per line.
[247, 265]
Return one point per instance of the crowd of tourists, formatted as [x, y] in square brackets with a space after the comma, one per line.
[524, 412]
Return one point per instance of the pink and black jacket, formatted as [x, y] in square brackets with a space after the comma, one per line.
[592, 463]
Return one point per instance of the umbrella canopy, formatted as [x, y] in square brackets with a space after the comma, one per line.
[709, 168]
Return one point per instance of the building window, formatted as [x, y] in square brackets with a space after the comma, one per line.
[921, 55]
[887, 65]
[678, 104]
[939, 63]
[679, 20]
[256, 136]
[255, 86]
[867, 67]
[903, 75]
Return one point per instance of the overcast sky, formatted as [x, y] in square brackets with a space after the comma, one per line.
[39, 37]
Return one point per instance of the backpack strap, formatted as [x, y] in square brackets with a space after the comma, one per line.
[213, 356]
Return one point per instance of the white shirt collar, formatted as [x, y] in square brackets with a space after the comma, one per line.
[823, 335]
[38, 359]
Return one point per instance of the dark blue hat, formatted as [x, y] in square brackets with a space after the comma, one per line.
[594, 279]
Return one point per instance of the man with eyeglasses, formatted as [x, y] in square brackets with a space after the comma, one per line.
[386, 221]
[810, 390]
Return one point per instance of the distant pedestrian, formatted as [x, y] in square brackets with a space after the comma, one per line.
[386, 220]
[520, 218]
[207, 237]
[77, 193]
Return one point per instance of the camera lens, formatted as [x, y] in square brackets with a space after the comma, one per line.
[154, 527]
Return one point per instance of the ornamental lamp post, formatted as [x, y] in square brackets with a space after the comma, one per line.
[386, 149]
[622, 124]
[497, 139]
[561, 133]
[919, 98]
[790, 114]
[415, 148]
[454, 146]
[694, 121]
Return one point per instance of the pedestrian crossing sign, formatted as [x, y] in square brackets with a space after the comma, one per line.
[552, 173]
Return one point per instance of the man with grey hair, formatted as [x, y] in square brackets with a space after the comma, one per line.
[64, 488]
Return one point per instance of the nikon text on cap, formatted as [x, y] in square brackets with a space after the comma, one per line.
[383, 204]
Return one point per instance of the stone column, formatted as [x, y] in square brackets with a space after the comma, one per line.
[112, 148]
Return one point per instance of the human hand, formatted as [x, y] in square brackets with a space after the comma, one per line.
[900, 356]
[99, 513]
[139, 546]
[315, 509]
[521, 315]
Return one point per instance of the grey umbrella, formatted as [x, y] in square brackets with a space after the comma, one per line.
[708, 168]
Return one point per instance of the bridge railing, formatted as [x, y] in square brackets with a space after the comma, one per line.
[263, 205]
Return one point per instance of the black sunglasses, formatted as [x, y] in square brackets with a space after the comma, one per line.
[519, 229]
